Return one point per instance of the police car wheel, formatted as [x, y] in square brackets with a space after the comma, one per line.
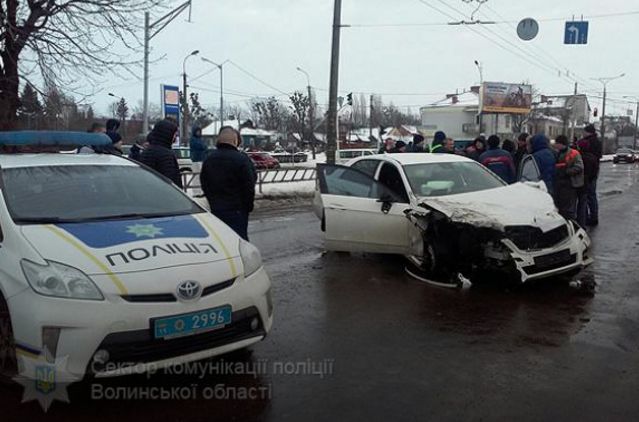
[8, 361]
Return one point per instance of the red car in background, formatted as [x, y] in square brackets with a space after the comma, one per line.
[264, 160]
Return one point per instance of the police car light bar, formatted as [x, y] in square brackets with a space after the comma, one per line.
[36, 138]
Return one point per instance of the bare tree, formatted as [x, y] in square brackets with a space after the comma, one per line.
[64, 41]
[272, 114]
[300, 107]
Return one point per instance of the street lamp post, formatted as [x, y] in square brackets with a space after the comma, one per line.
[221, 68]
[150, 31]
[311, 110]
[634, 143]
[481, 88]
[121, 116]
[185, 98]
[604, 82]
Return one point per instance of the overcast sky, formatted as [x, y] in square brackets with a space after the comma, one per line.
[270, 38]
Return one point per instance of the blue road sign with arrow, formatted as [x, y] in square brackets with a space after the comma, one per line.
[576, 32]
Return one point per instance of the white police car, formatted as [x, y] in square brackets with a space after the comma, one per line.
[108, 265]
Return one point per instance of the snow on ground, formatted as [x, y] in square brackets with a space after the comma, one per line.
[607, 157]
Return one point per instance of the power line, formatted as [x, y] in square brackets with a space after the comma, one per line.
[251, 75]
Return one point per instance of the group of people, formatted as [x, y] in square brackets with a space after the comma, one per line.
[568, 169]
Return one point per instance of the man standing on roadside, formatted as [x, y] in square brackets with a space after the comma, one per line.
[159, 156]
[591, 151]
[228, 182]
[569, 178]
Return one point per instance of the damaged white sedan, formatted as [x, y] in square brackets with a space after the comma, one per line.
[449, 215]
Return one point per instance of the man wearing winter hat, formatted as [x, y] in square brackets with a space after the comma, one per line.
[159, 155]
[591, 151]
[228, 182]
[437, 147]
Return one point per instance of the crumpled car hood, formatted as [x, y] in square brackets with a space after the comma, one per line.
[513, 205]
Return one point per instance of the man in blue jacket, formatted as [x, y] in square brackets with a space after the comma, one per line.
[498, 161]
[545, 159]
[197, 145]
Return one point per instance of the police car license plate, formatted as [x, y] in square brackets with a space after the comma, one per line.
[192, 323]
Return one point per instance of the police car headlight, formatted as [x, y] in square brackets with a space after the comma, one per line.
[59, 280]
[251, 257]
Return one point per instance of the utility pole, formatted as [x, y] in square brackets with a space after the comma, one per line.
[572, 114]
[604, 82]
[221, 68]
[370, 120]
[311, 110]
[160, 24]
[481, 90]
[184, 127]
[634, 143]
[331, 122]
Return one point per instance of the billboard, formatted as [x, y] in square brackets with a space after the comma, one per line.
[498, 97]
[171, 102]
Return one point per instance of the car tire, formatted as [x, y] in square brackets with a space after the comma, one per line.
[427, 266]
[8, 359]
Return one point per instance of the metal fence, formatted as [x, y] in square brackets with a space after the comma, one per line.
[264, 177]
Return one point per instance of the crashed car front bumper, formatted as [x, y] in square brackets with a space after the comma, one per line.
[571, 254]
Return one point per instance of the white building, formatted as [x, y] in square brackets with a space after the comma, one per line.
[457, 115]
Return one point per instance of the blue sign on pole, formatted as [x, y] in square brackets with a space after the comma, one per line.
[576, 32]
[171, 102]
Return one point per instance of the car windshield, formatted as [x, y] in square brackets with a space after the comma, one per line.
[54, 194]
[624, 151]
[439, 179]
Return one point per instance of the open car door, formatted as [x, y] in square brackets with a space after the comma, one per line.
[360, 214]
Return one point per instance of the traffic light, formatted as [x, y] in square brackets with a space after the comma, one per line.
[349, 99]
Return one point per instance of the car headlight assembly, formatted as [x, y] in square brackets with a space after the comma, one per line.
[59, 280]
[251, 257]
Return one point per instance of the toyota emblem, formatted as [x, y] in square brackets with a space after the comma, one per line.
[188, 291]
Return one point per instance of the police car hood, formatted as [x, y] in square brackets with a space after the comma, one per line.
[122, 246]
[519, 204]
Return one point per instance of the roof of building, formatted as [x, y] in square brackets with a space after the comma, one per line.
[465, 99]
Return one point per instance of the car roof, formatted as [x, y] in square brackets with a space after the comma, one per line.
[408, 158]
[57, 159]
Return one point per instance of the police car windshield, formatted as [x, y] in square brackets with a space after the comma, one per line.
[57, 194]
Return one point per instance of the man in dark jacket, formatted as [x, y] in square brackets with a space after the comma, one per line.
[159, 156]
[197, 145]
[417, 145]
[498, 161]
[591, 151]
[228, 182]
[545, 159]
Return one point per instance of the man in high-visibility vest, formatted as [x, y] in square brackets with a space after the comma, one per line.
[437, 146]
[569, 178]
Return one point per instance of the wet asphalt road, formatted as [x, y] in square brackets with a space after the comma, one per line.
[392, 348]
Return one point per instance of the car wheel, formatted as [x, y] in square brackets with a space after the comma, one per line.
[429, 265]
[8, 360]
